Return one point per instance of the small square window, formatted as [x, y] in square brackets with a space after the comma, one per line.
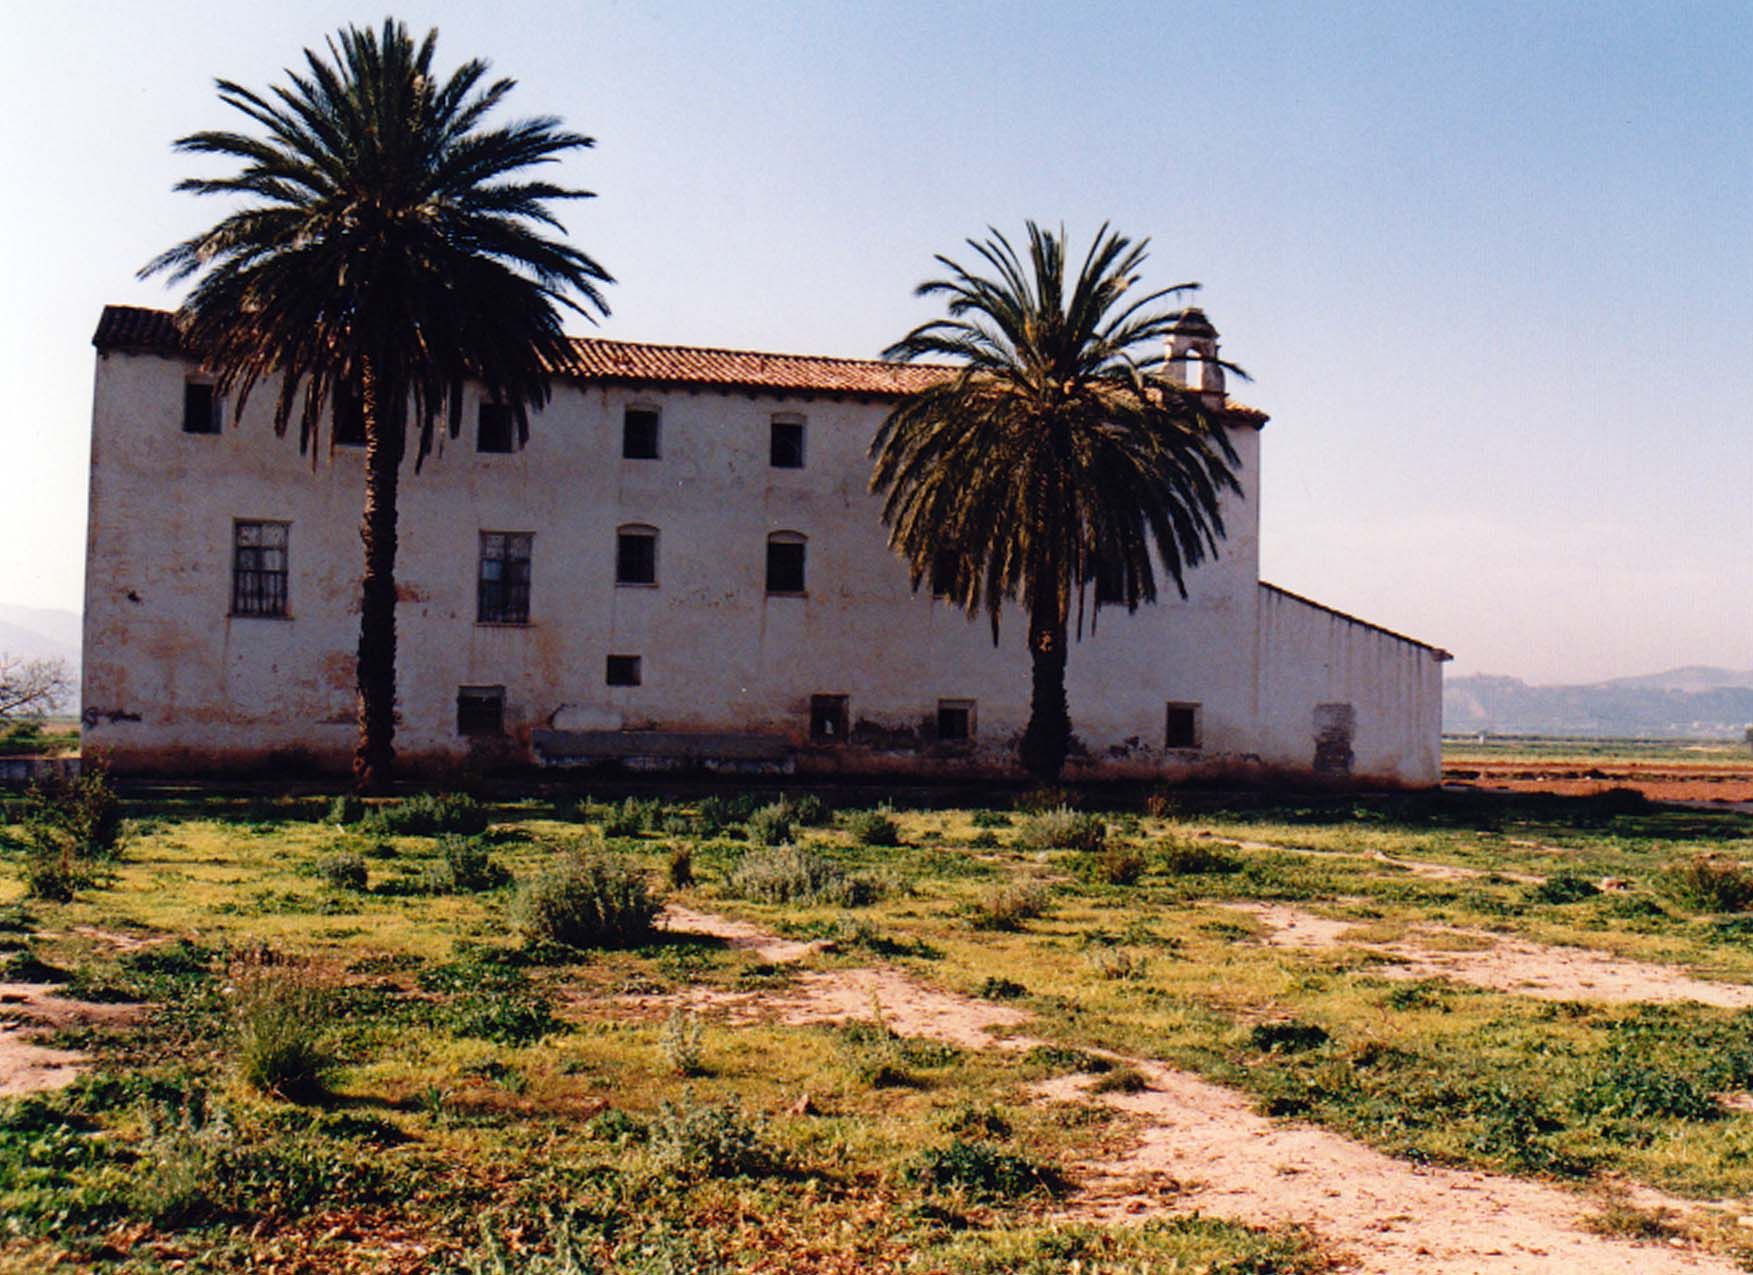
[955, 720]
[200, 408]
[636, 556]
[639, 434]
[786, 448]
[828, 719]
[785, 563]
[480, 710]
[623, 670]
[497, 428]
[1182, 730]
[503, 582]
[258, 569]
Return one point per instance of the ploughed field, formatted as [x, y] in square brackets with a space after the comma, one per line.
[1456, 1031]
[1719, 773]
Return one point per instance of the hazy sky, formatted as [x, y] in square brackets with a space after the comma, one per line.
[1491, 265]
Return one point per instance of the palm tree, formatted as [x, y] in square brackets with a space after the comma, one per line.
[391, 249]
[1052, 456]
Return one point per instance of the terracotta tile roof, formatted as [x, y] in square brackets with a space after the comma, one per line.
[1437, 652]
[137, 330]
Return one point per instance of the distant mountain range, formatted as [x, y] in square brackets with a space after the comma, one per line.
[1696, 702]
[36, 633]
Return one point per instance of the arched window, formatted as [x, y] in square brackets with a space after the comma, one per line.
[785, 562]
[636, 554]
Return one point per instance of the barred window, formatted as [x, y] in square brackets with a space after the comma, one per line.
[504, 593]
[258, 568]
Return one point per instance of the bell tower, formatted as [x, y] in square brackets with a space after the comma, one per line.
[1192, 354]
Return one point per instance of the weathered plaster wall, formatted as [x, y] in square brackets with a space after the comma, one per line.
[172, 680]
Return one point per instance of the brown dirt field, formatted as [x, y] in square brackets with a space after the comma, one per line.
[1196, 1146]
[1659, 781]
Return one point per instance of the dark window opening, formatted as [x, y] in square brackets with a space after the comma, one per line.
[258, 569]
[955, 720]
[200, 408]
[828, 719]
[503, 592]
[943, 573]
[786, 450]
[623, 670]
[639, 434]
[785, 565]
[349, 420]
[1182, 729]
[636, 557]
[498, 429]
[480, 710]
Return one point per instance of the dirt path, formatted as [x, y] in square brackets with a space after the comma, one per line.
[1201, 1146]
[1503, 964]
[28, 1010]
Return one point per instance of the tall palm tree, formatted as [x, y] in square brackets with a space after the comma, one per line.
[391, 248]
[1054, 456]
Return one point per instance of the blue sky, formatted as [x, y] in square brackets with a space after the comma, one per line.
[1489, 264]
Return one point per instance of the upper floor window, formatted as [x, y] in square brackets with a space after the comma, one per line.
[349, 419]
[200, 407]
[785, 562]
[496, 428]
[785, 449]
[503, 591]
[639, 434]
[258, 568]
[636, 555]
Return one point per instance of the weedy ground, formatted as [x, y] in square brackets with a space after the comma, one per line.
[356, 1059]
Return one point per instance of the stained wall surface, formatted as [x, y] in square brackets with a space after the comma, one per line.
[174, 681]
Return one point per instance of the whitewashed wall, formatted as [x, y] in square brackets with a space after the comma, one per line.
[172, 681]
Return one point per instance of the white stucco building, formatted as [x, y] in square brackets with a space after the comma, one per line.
[683, 566]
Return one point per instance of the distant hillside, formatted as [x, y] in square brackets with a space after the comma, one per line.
[34, 633]
[1695, 703]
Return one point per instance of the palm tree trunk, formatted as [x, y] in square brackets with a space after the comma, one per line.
[374, 756]
[1048, 736]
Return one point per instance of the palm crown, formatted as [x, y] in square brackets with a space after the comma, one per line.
[1051, 456]
[387, 230]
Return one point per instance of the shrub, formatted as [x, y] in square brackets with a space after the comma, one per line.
[1160, 804]
[601, 901]
[1289, 1037]
[1006, 907]
[1062, 829]
[1040, 800]
[68, 826]
[1121, 1080]
[690, 1140]
[427, 815]
[809, 810]
[1116, 963]
[683, 1044]
[344, 871]
[985, 839]
[632, 817]
[345, 809]
[991, 819]
[680, 867]
[981, 1170]
[874, 827]
[1564, 887]
[1185, 858]
[787, 874]
[1115, 864]
[465, 866]
[278, 1017]
[1000, 989]
[1712, 883]
[770, 825]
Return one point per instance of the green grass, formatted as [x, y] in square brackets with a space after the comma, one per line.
[481, 1095]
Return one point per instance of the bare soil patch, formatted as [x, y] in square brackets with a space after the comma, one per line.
[30, 1010]
[1503, 964]
[1417, 867]
[1710, 784]
[1199, 1146]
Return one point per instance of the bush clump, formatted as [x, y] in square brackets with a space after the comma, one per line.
[465, 866]
[69, 826]
[1063, 829]
[1115, 864]
[771, 825]
[343, 871]
[599, 901]
[345, 809]
[874, 827]
[980, 1170]
[679, 867]
[793, 874]
[1182, 857]
[427, 815]
[277, 1016]
[1564, 887]
[1711, 883]
[1006, 907]
[691, 1140]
